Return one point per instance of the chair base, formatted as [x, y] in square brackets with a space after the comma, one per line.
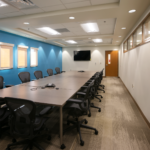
[92, 105]
[29, 144]
[79, 124]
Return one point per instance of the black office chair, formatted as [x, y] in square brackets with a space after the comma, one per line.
[24, 123]
[58, 70]
[50, 72]
[39, 75]
[4, 114]
[25, 77]
[79, 107]
[2, 83]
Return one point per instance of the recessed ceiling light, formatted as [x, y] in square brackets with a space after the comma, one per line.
[71, 42]
[71, 17]
[123, 28]
[90, 27]
[2, 4]
[119, 36]
[26, 22]
[48, 30]
[117, 41]
[140, 33]
[132, 11]
[97, 40]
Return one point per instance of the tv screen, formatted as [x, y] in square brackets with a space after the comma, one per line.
[82, 55]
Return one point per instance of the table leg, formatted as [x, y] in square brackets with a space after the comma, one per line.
[61, 128]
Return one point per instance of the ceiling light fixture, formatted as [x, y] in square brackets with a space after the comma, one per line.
[140, 33]
[123, 28]
[97, 40]
[48, 30]
[119, 36]
[2, 4]
[71, 42]
[27, 2]
[26, 23]
[90, 27]
[71, 17]
[132, 11]
[148, 32]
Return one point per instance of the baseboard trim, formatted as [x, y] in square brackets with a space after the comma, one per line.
[147, 122]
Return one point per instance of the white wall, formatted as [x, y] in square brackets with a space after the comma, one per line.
[97, 62]
[135, 69]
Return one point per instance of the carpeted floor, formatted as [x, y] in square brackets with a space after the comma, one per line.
[120, 125]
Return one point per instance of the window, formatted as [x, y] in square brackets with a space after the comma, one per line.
[6, 56]
[146, 27]
[22, 56]
[109, 58]
[130, 43]
[140, 36]
[137, 37]
[34, 57]
[125, 47]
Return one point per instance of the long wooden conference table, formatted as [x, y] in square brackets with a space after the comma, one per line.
[68, 83]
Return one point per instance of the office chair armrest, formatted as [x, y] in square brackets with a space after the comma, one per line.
[45, 110]
[2, 102]
[75, 101]
[10, 85]
[63, 71]
[84, 87]
[80, 93]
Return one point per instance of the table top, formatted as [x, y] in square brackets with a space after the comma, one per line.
[68, 83]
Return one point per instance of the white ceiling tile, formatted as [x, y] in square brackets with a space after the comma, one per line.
[107, 21]
[56, 26]
[7, 9]
[80, 33]
[32, 11]
[71, 24]
[46, 3]
[54, 8]
[79, 4]
[71, 1]
[67, 34]
[13, 14]
[75, 29]
[96, 2]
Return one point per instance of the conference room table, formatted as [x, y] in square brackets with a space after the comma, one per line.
[68, 84]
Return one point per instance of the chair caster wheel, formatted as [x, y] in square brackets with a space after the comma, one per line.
[96, 132]
[101, 96]
[89, 115]
[86, 121]
[99, 110]
[104, 91]
[14, 140]
[7, 148]
[49, 138]
[82, 143]
[99, 100]
[62, 146]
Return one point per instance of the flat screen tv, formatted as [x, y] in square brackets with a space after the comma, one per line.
[82, 55]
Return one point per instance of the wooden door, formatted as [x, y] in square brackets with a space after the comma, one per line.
[111, 63]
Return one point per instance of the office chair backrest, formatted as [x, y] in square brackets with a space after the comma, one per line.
[24, 77]
[50, 72]
[57, 70]
[22, 116]
[38, 74]
[1, 82]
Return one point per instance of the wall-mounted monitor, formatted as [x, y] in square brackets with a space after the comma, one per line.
[82, 55]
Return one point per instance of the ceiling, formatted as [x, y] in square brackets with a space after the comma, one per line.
[110, 16]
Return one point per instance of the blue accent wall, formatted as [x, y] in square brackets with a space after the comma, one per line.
[49, 56]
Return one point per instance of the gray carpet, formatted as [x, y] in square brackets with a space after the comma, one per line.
[120, 125]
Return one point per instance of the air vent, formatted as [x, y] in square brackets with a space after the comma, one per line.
[62, 30]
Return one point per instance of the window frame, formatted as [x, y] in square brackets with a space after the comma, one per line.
[36, 57]
[26, 48]
[11, 54]
[132, 34]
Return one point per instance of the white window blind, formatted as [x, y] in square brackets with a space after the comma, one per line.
[22, 57]
[6, 56]
[34, 57]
